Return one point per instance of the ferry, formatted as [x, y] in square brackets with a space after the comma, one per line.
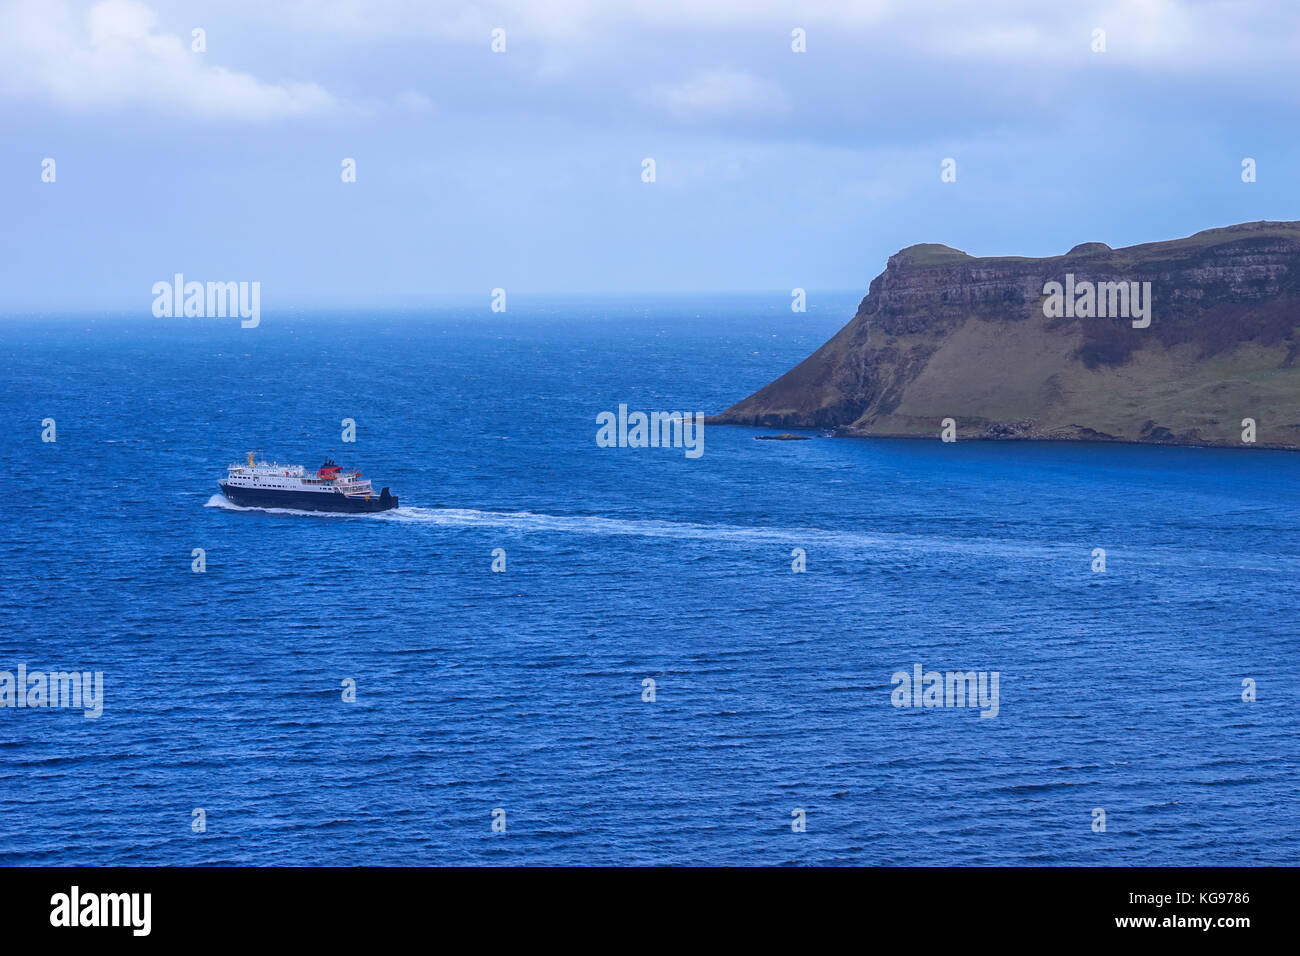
[272, 485]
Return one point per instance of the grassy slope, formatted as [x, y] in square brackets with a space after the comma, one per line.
[1196, 385]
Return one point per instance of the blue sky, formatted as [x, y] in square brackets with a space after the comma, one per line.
[522, 169]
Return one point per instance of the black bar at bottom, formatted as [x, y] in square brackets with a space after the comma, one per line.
[298, 906]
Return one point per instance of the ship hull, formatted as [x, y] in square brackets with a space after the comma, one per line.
[307, 500]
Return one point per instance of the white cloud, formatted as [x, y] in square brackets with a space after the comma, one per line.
[114, 55]
[413, 101]
[711, 94]
[583, 20]
[1171, 34]
[688, 60]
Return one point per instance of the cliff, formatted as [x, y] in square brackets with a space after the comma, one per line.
[942, 334]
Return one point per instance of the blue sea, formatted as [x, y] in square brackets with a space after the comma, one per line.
[520, 697]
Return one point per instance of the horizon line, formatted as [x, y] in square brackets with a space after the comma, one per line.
[448, 300]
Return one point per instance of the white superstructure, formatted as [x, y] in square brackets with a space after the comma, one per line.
[330, 479]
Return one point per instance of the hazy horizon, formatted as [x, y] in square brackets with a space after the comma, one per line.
[523, 301]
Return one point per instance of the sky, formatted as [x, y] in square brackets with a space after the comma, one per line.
[525, 169]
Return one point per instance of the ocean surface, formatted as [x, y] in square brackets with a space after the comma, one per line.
[522, 691]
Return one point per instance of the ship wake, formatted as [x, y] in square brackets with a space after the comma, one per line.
[979, 548]
[526, 522]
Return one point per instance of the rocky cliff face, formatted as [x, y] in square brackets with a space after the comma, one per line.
[942, 334]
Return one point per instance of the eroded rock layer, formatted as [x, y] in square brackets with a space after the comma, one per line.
[942, 334]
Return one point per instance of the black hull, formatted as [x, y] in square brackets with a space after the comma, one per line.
[308, 500]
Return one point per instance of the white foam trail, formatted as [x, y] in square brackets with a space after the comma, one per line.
[989, 548]
[528, 521]
[225, 504]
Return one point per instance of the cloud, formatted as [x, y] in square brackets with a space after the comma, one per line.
[114, 55]
[566, 20]
[712, 94]
[413, 101]
[901, 71]
[1167, 32]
